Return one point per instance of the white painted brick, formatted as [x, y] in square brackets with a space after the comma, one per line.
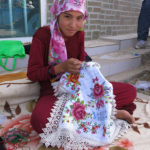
[120, 15]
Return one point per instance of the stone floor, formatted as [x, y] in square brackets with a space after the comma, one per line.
[143, 76]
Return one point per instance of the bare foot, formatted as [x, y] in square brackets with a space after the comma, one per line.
[125, 115]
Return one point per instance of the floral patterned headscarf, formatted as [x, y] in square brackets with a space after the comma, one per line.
[57, 49]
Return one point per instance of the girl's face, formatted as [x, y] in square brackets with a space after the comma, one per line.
[70, 22]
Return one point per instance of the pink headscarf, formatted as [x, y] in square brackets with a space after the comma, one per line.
[57, 50]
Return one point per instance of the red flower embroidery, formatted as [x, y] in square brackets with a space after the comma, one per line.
[78, 111]
[82, 125]
[99, 104]
[98, 91]
[84, 129]
[104, 130]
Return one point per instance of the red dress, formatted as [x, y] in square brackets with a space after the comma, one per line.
[38, 71]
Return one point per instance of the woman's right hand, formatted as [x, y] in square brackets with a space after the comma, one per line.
[71, 65]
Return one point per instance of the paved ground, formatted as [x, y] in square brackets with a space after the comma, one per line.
[135, 76]
[142, 81]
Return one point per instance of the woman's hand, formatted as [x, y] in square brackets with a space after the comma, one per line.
[71, 65]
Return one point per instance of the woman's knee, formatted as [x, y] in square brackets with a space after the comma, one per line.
[37, 121]
[125, 93]
[41, 112]
[132, 92]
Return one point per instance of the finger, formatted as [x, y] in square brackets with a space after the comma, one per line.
[75, 61]
[76, 67]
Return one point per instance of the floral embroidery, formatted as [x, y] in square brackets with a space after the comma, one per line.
[100, 104]
[85, 66]
[91, 103]
[104, 130]
[88, 127]
[78, 111]
[87, 110]
[74, 78]
[94, 128]
[101, 93]
[98, 91]
[72, 81]
[96, 79]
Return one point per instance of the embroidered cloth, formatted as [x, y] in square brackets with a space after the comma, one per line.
[84, 115]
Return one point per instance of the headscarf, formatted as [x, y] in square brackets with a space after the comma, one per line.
[57, 49]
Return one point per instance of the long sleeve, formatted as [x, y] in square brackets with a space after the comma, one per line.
[37, 70]
[38, 61]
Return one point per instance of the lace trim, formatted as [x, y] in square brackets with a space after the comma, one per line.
[119, 123]
[55, 116]
[68, 139]
[63, 137]
[124, 126]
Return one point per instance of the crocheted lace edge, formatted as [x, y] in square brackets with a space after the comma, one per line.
[52, 128]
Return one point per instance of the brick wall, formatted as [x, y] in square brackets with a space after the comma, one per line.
[109, 17]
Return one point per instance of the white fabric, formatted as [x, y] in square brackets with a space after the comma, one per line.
[83, 116]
